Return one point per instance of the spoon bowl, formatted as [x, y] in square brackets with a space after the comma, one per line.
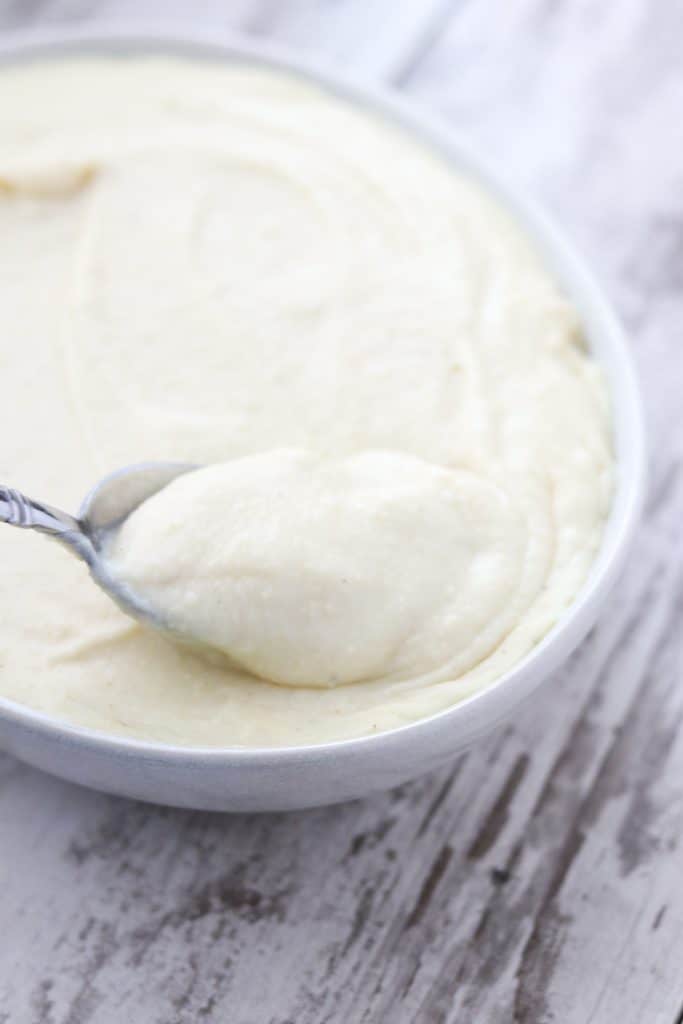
[102, 512]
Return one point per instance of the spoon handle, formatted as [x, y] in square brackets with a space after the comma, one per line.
[18, 510]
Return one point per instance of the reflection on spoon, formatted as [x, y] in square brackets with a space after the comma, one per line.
[87, 535]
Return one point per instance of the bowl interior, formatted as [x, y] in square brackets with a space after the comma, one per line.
[605, 338]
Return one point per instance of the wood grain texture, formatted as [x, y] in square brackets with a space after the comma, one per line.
[537, 880]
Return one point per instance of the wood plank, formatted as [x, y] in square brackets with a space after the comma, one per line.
[538, 879]
[18, 15]
[377, 38]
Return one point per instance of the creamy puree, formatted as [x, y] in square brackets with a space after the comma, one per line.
[317, 572]
[412, 446]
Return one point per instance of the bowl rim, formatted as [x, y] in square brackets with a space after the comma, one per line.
[480, 710]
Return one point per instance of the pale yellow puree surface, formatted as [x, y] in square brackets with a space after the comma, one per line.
[408, 446]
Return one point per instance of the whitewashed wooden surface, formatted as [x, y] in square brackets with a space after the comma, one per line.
[540, 879]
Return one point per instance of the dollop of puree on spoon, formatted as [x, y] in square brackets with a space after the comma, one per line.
[317, 572]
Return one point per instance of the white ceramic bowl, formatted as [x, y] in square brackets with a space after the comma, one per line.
[295, 777]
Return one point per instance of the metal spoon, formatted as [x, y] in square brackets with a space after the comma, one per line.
[103, 511]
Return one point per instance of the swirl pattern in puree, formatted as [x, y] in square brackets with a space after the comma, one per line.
[230, 266]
